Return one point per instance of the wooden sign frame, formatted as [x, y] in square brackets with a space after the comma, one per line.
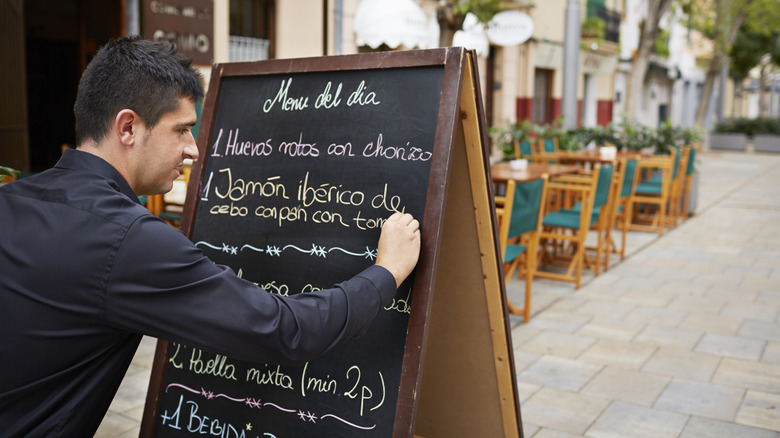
[458, 374]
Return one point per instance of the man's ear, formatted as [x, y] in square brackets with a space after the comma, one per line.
[127, 127]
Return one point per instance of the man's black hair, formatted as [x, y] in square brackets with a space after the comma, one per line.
[132, 73]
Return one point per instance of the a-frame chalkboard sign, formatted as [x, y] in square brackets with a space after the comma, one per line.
[300, 161]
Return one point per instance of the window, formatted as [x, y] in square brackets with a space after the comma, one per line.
[251, 23]
[542, 104]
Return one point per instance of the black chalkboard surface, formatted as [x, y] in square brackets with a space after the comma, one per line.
[300, 163]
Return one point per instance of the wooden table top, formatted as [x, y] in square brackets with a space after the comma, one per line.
[502, 172]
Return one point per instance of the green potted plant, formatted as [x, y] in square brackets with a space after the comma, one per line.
[506, 138]
[633, 137]
[767, 135]
[592, 31]
[731, 134]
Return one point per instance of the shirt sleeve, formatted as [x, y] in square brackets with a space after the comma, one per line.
[160, 284]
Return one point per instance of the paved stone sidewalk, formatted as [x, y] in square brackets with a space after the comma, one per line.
[681, 339]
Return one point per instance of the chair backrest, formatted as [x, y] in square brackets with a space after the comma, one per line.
[676, 165]
[526, 206]
[580, 187]
[603, 185]
[524, 148]
[691, 161]
[549, 146]
[628, 178]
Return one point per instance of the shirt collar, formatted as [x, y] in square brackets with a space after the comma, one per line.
[74, 159]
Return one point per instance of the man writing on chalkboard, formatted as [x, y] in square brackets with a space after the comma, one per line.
[85, 270]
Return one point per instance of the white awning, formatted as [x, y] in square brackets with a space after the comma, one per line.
[391, 22]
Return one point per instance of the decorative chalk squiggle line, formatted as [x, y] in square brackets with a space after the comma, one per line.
[252, 248]
[279, 407]
[203, 242]
[224, 248]
[256, 403]
[347, 422]
[194, 391]
[315, 250]
[275, 251]
[368, 253]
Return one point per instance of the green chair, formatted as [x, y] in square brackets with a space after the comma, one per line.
[523, 149]
[600, 215]
[548, 148]
[653, 198]
[561, 227]
[626, 180]
[519, 224]
[689, 171]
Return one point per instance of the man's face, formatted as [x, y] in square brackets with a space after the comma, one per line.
[163, 149]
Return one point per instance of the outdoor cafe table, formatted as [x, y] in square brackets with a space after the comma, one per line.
[502, 172]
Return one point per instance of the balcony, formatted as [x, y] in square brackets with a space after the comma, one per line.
[248, 49]
[610, 18]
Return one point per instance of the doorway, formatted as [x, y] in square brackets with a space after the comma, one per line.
[61, 36]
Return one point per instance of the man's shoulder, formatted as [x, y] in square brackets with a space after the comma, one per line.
[78, 191]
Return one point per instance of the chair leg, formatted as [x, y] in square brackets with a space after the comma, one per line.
[626, 224]
[529, 276]
[507, 275]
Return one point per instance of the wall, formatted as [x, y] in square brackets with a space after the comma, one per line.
[299, 29]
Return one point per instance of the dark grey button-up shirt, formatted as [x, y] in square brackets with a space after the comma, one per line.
[85, 270]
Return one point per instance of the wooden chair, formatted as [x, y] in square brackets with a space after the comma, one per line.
[689, 171]
[563, 230]
[625, 181]
[547, 150]
[520, 215]
[549, 145]
[523, 149]
[652, 195]
[600, 216]
[678, 185]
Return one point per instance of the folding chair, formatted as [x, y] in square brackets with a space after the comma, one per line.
[689, 171]
[678, 184]
[547, 150]
[561, 227]
[600, 216]
[523, 149]
[519, 224]
[625, 182]
[652, 195]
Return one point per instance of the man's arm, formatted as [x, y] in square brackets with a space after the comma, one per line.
[163, 286]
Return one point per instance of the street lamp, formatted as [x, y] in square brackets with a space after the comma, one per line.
[571, 51]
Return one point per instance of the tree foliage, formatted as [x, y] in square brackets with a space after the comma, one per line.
[749, 49]
[451, 13]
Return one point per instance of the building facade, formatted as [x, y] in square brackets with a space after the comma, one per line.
[48, 43]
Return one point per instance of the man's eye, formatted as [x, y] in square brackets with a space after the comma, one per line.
[184, 131]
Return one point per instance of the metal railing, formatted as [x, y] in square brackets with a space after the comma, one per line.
[248, 49]
[611, 20]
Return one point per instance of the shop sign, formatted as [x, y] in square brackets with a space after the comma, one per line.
[510, 28]
[594, 63]
[188, 24]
